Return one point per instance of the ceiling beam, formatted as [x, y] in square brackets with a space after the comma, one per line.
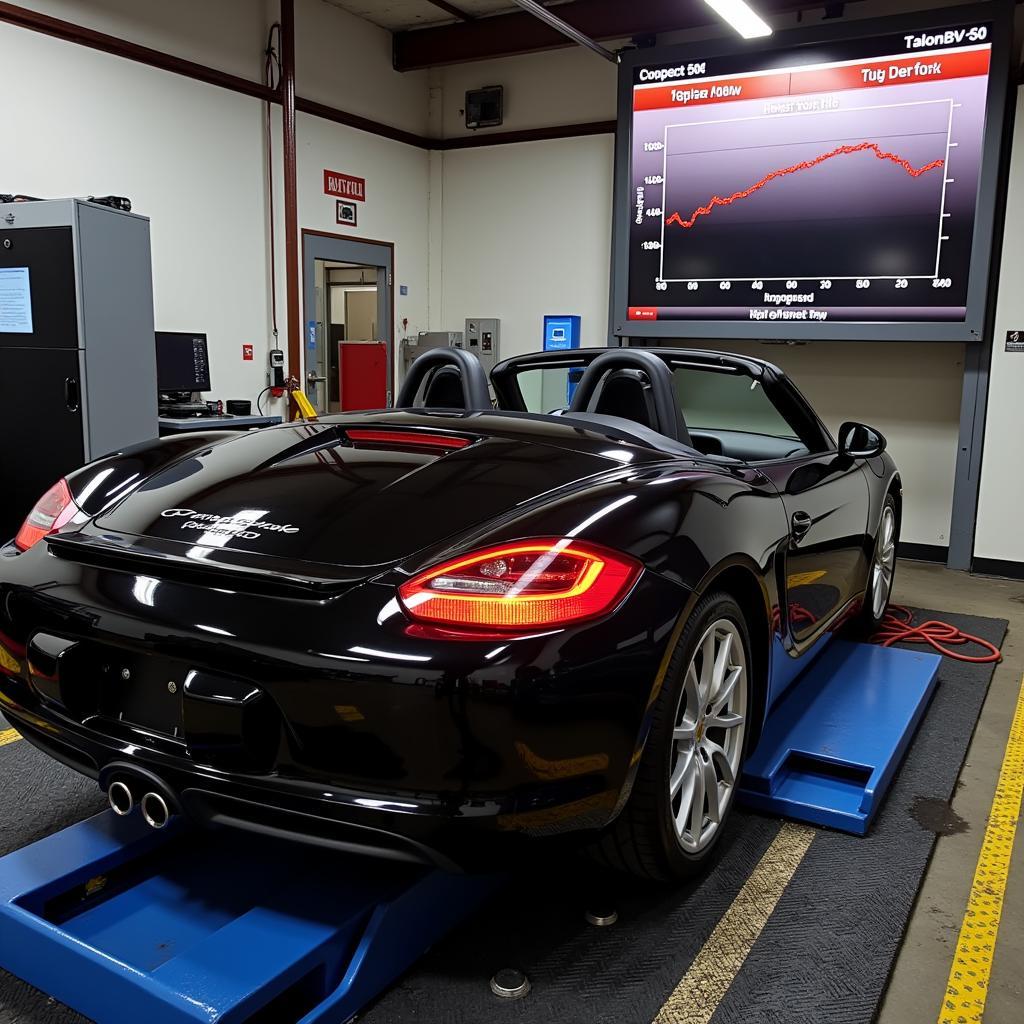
[505, 35]
[574, 35]
[455, 12]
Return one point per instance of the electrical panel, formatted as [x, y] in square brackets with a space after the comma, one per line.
[482, 337]
[410, 348]
[439, 339]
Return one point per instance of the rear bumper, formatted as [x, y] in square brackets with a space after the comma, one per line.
[267, 806]
[443, 829]
[458, 753]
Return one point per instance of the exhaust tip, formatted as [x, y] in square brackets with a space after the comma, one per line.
[120, 798]
[155, 810]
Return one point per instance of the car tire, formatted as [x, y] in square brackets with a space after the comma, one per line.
[881, 569]
[655, 836]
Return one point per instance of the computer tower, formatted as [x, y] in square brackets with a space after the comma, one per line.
[77, 355]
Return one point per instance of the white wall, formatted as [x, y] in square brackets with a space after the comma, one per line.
[188, 155]
[999, 533]
[557, 87]
[341, 60]
[525, 232]
[345, 62]
[226, 34]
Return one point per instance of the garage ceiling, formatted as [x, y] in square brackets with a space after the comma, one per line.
[430, 33]
[397, 15]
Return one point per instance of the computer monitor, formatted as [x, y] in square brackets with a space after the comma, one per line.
[182, 362]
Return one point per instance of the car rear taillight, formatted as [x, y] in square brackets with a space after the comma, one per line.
[526, 585]
[56, 508]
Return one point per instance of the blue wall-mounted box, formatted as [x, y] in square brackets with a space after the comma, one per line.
[561, 332]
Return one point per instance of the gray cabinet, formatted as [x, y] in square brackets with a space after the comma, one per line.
[77, 355]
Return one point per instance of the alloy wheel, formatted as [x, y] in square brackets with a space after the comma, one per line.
[884, 562]
[707, 739]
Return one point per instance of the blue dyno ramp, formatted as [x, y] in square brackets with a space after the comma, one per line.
[126, 924]
[832, 745]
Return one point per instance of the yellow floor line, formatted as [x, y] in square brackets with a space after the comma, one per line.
[701, 989]
[9, 736]
[967, 987]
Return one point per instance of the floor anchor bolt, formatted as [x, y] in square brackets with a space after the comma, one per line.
[508, 983]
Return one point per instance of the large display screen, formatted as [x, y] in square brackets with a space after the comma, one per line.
[832, 183]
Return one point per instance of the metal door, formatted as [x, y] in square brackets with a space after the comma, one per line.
[41, 418]
[322, 247]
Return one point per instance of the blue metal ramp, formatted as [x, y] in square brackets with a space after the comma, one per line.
[831, 746]
[126, 924]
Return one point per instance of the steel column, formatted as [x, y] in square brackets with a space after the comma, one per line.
[291, 206]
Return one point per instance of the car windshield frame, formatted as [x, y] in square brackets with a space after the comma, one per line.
[783, 395]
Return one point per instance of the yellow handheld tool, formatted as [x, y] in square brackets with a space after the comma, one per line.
[303, 407]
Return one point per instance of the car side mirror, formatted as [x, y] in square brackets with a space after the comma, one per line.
[859, 441]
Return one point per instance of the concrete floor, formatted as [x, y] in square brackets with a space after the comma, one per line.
[919, 977]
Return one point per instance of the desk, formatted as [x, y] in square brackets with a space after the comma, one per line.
[189, 424]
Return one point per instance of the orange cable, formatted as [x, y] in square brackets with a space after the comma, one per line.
[897, 627]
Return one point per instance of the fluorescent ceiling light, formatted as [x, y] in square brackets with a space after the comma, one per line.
[742, 17]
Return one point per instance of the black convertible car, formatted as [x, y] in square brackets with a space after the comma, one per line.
[442, 631]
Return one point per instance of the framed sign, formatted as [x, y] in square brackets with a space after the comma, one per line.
[346, 213]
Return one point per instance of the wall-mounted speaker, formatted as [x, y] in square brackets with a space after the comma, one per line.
[484, 107]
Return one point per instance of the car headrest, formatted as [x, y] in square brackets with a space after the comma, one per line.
[463, 366]
[627, 394]
[654, 405]
[444, 390]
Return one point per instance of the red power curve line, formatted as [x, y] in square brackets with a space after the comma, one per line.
[804, 165]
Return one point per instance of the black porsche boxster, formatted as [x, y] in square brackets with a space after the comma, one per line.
[447, 630]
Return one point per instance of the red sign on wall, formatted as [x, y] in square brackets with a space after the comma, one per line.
[344, 185]
[247, 353]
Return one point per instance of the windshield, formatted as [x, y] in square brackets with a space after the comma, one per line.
[712, 400]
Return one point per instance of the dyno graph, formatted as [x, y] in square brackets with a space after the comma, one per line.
[804, 165]
[845, 201]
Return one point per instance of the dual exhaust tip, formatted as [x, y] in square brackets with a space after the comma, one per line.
[155, 810]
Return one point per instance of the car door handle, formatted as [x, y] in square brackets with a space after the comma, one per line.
[71, 394]
[801, 523]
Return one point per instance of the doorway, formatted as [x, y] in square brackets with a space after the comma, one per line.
[349, 322]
